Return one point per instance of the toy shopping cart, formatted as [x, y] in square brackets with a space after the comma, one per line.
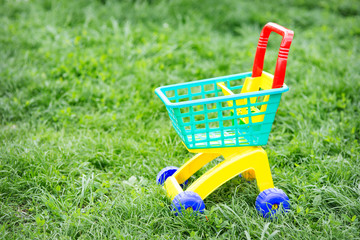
[221, 116]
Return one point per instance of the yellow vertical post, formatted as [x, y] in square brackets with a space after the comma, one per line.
[172, 187]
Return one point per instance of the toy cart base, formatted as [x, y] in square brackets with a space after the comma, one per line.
[237, 160]
[251, 162]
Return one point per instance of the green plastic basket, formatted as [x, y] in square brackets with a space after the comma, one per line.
[204, 118]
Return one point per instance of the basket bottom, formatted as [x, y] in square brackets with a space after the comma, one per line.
[214, 139]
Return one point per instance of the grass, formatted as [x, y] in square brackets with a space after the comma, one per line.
[83, 135]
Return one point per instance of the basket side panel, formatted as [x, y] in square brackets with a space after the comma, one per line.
[223, 124]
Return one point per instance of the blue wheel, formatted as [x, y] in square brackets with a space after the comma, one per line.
[187, 200]
[165, 173]
[269, 201]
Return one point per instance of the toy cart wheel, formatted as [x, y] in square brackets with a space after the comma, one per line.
[165, 173]
[270, 201]
[187, 200]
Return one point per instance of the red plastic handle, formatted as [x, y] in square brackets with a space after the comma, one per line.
[280, 69]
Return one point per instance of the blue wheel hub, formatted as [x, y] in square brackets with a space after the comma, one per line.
[187, 200]
[269, 201]
[165, 173]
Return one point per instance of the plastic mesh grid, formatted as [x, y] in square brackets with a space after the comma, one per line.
[219, 123]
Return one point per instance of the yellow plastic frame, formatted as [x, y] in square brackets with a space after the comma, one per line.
[237, 160]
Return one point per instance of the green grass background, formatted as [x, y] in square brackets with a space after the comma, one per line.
[82, 134]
